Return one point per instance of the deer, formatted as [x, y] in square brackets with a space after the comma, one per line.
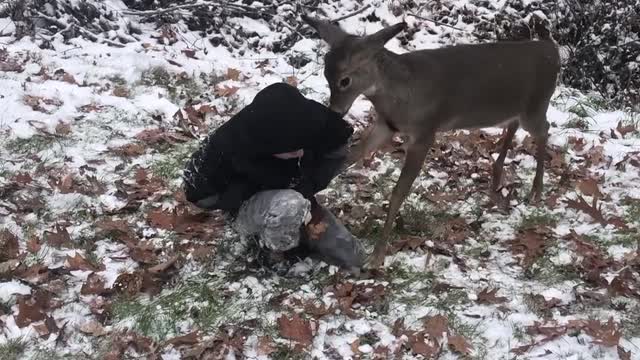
[416, 94]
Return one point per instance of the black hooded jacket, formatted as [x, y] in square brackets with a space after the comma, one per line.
[236, 160]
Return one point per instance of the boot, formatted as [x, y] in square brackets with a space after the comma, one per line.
[330, 241]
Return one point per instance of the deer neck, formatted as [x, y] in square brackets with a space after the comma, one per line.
[391, 76]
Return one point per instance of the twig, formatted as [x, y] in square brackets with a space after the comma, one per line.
[351, 14]
[73, 48]
[437, 22]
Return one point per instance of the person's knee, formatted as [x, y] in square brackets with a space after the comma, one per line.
[276, 216]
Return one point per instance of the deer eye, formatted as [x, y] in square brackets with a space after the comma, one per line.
[345, 82]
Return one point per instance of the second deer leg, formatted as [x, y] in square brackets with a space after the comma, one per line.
[379, 134]
[541, 135]
[499, 164]
[416, 153]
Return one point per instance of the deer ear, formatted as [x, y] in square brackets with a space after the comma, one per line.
[382, 36]
[329, 32]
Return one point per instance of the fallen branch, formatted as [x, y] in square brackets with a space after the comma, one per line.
[51, 20]
[162, 11]
[437, 22]
[352, 14]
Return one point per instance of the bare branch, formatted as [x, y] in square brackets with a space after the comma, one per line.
[437, 22]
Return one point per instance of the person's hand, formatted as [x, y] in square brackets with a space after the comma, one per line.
[290, 155]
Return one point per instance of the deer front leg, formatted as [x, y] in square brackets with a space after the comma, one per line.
[377, 136]
[499, 164]
[416, 153]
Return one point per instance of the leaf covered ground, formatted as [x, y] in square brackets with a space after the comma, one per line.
[102, 258]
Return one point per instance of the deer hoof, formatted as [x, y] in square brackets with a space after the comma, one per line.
[535, 197]
[376, 260]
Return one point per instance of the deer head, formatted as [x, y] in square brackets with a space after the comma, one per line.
[351, 68]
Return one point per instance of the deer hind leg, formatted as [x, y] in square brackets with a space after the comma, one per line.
[379, 134]
[499, 164]
[414, 159]
[538, 127]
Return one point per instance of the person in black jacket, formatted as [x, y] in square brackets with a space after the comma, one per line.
[265, 165]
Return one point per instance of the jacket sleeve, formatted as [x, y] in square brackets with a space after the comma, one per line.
[319, 171]
[262, 171]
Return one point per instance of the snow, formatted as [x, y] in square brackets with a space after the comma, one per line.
[93, 133]
[11, 288]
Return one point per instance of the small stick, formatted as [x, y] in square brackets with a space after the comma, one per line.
[437, 22]
[351, 14]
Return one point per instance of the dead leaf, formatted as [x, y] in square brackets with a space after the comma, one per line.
[143, 252]
[11, 65]
[77, 262]
[9, 246]
[421, 346]
[624, 354]
[233, 74]
[28, 313]
[164, 266]
[93, 328]
[594, 211]
[292, 80]
[226, 91]
[295, 328]
[436, 326]
[409, 243]
[129, 150]
[62, 75]
[202, 253]
[266, 346]
[589, 187]
[91, 107]
[606, 334]
[42, 330]
[316, 230]
[531, 243]
[626, 129]
[66, 184]
[192, 118]
[120, 91]
[595, 156]
[38, 103]
[487, 297]
[22, 178]
[58, 238]
[355, 345]
[47, 328]
[161, 219]
[190, 53]
[116, 229]
[188, 339]
[7, 268]
[577, 143]
[63, 128]
[398, 328]
[94, 285]
[128, 283]
[459, 345]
